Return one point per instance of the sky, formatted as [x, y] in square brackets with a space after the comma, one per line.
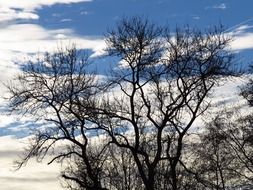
[31, 26]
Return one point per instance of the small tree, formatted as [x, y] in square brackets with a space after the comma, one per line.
[215, 164]
[223, 157]
[142, 112]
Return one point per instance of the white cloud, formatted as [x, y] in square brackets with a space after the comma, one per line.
[243, 41]
[242, 38]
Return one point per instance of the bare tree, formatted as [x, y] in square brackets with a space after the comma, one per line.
[142, 112]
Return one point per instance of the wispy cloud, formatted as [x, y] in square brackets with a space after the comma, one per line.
[196, 17]
[84, 13]
[8, 14]
[26, 9]
[220, 6]
[242, 29]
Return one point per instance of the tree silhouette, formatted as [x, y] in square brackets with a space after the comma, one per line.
[139, 116]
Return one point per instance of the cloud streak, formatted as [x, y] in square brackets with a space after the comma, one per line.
[35, 4]
[18, 38]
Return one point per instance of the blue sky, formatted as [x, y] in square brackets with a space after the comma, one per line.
[32, 26]
[92, 18]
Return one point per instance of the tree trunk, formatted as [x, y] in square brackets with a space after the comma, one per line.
[174, 176]
[150, 185]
